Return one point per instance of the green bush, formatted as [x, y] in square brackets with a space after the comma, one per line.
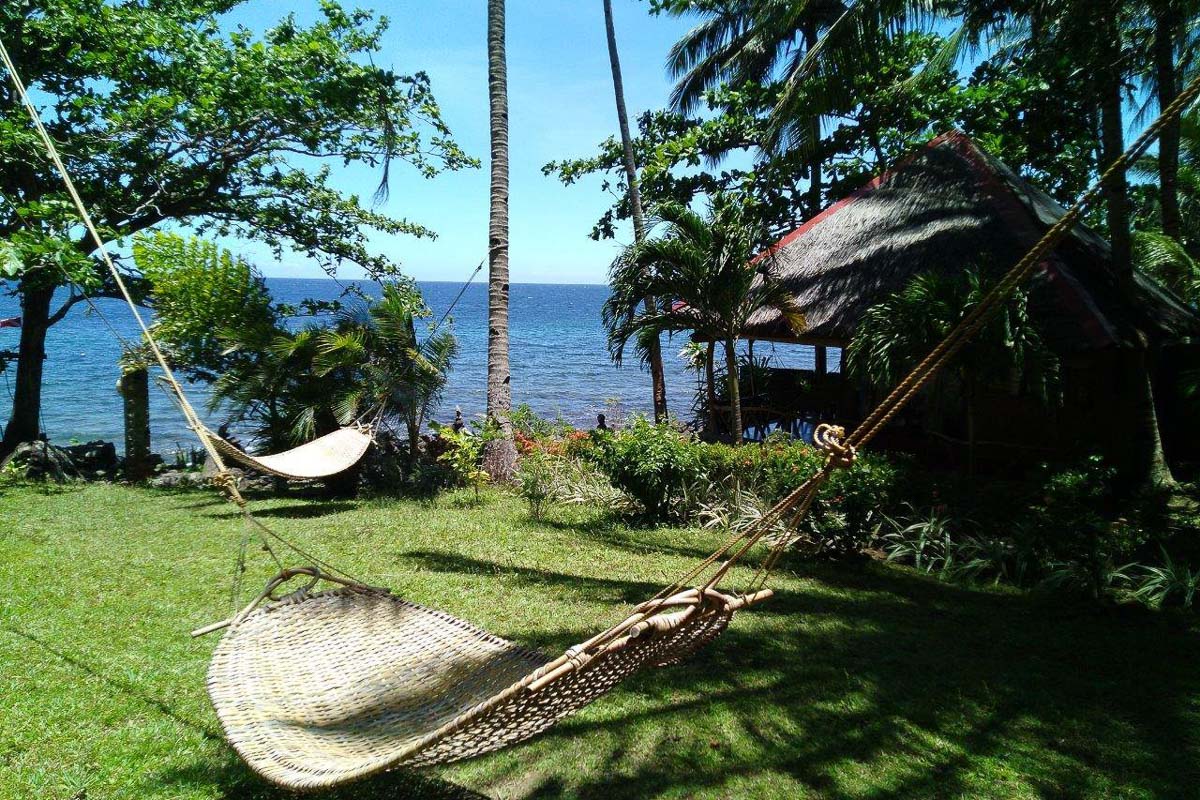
[1076, 528]
[536, 481]
[849, 507]
[463, 455]
[652, 463]
[667, 472]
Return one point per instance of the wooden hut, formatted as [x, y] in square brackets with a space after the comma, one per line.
[949, 206]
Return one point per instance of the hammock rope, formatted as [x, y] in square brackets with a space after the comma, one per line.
[317, 688]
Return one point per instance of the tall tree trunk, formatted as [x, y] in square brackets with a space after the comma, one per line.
[657, 375]
[500, 454]
[735, 392]
[24, 424]
[1167, 78]
[1144, 465]
[814, 159]
[1147, 463]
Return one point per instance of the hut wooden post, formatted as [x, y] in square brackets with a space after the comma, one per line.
[821, 359]
[134, 388]
[711, 386]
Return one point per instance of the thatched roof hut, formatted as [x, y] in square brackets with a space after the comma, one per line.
[948, 206]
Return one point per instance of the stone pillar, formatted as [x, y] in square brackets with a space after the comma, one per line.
[134, 388]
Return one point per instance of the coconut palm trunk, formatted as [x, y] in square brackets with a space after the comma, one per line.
[500, 454]
[710, 385]
[654, 348]
[1167, 80]
[814, 160]
[1143, 462]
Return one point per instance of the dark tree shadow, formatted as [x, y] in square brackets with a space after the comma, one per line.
[614, 531]
[121, 687]
[236, 782]
[600, 589]
[881, 665]
[299, 511]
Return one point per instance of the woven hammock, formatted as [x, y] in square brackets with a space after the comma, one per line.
[316, 689]
[327, 455]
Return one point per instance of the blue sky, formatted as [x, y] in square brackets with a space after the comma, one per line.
[560, 104]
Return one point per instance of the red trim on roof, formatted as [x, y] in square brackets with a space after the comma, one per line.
[1004, 197]
[869, 187]
[1006, 200]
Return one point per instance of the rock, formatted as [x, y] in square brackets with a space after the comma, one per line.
[39, 461]
[382, 468]
[95, 460]
[179, 479]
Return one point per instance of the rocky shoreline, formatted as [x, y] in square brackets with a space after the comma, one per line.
[99, 461]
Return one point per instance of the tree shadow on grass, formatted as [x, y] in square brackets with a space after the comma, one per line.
[585, 586]
[616, 532]
[237, 782]
[122, 687]
[884, 684]
[298, 511]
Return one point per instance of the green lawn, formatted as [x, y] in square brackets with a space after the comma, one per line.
[854, 682]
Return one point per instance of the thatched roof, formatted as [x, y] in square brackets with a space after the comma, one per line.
[949, 206]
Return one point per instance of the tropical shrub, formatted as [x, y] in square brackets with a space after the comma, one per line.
[526, 422]
[925, 544]
[464, 456]
[535, 481]
[652, 463]
[287, 386]
[200, 291]
[848, 510]
[1076, 530]
[1173, 583]
[672, 475]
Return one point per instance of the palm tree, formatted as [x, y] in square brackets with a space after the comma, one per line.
[273, 388]
[1172, 256]
[387, 370]
[500, 453]
[704, 272]
[653, 344]
[1169, 262]
[1171, 45]
[896, 333]
[750, 42]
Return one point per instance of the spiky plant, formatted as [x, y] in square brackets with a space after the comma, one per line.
[704, 272]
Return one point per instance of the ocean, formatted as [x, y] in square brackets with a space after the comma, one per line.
[560, 363]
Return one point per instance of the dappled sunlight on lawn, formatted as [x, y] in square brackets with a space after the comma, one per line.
[856, 680]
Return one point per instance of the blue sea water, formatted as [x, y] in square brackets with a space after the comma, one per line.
[560, 364]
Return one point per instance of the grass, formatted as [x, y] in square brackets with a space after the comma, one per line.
[856, 681]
